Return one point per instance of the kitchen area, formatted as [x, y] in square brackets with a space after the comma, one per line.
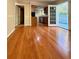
[43, 18]
[40, 15]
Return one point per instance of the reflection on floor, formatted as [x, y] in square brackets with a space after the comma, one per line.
[39, 43]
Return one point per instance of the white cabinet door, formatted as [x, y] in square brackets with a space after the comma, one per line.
[52, 15]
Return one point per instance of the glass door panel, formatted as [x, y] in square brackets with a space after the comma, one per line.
[51, 15]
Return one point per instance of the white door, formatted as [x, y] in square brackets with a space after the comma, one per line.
[52, 15]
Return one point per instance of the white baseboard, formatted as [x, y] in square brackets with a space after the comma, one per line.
[11, 32]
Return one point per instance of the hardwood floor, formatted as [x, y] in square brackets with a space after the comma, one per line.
[39, 43]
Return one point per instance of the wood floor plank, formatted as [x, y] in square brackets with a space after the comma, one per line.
[39, 42]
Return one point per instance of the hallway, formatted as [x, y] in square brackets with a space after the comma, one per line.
[39, 43]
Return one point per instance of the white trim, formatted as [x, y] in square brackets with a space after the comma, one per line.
[19, 4]
[30, 15]
[11, 32]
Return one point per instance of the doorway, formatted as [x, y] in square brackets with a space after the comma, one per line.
[33, 16]
[22, 15]
[19, 12]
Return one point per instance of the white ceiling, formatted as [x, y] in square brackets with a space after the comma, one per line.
[40, 2]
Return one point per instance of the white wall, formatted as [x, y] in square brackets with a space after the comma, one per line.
[10, 16]
[39, 11]
[27, 14]
[17, 15]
